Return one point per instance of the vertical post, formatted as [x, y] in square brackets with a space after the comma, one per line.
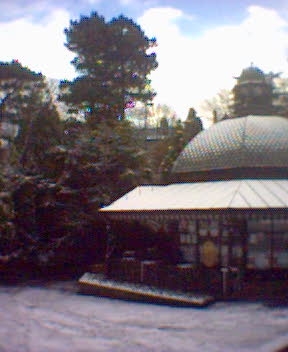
[224, 281]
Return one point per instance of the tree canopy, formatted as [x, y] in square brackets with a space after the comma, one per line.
[108, 160]
[26, 101]
[170, 148]
[220, 105]
[15, 80]
[113, 62]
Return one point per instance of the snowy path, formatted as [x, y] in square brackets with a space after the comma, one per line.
[35, 319]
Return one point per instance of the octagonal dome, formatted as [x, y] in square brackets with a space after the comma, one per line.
[251, 74]
[243, 143]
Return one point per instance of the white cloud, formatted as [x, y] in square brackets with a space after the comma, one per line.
[126, 2]
[192, 69]
[93, 2]
[39, 46]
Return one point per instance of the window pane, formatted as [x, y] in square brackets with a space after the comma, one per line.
[280, 250]
[188, 253]
[258, 260]
[280, 225]
[192, 226]
[264, 225]
[259, 250]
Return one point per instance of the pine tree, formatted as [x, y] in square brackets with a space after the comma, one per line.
[113, 63]
[26, 101]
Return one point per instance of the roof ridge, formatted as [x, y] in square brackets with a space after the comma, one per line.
[235, 192]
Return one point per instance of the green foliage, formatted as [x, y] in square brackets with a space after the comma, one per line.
[39, 131]
[54, 213]
[108, 160]
[113, 63]
[175, 144]
[172, 146]
[27, 101]
[12, 71]
[192, 125]
[15, 80]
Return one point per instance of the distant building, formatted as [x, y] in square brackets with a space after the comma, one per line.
[255, 94]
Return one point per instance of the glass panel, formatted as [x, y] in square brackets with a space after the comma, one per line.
[203, 228]
[183, 238]
[214, 228]
[263, 225]
[280, 250]
[237, 251]
[280, 225]
[183, 225]
[235, 232]
[192, 226]
[224, 255]
[188, 238]
[258, 260]
[173, 226]
[188, 253]
[208, 227]
[237, 254]
[194, 238]
[203, 232]
[259, 250]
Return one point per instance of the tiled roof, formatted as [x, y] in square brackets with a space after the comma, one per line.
[243, 142]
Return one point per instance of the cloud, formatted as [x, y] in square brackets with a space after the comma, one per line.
[138, 3]
[37, 10]
[29, 9]
[194, 68]
[191, 68]
[172, 46]
[38, 46]
[126, 2]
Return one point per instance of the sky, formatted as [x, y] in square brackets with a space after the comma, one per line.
[202, 45]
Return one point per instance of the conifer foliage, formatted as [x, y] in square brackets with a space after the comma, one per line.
[113, 60]
[25, 101]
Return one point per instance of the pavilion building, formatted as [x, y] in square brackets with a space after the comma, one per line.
[225, 207]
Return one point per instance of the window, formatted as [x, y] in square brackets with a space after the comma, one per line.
[280, 244]
[208, 228]
[259, 250]
[267, 244]
[188, 241]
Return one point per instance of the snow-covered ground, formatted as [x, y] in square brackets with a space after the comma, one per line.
[54, 317]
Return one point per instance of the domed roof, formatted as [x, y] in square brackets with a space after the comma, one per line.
[243, 142]
[251, 73]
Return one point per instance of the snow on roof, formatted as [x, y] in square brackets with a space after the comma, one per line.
[231, 194]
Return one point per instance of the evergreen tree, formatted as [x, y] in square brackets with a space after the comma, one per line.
[15, 81]
[113, 63]
[192, 125]
[170, 148]
[40, 130]
[26, 101]
[174, 145]
[106, 162]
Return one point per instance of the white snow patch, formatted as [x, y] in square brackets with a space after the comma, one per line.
[55, 318]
